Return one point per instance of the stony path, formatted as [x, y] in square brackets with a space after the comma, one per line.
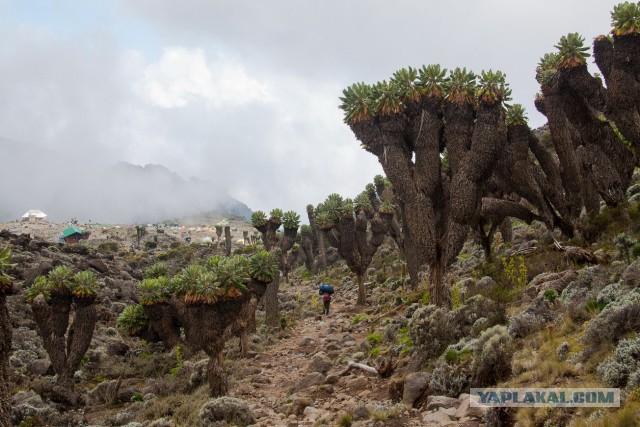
[302, 380]
[296, 381]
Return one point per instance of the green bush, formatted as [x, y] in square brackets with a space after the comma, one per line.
[374, 338]
[550, 295]
[108, 247]
[360, 317]
[479, 362]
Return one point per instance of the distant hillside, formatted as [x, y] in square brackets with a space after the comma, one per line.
[65, 187]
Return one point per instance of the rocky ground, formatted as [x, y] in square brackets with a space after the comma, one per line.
[296, 376]
[305, 380]
[558, 325]
[198, 230]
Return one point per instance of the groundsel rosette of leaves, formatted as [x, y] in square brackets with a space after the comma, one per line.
[625, 18]
[290, 220]
[132, 320]
[258, 219]
[263, 266]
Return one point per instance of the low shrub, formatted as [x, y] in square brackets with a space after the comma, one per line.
[108, 247]
[623, 369]
[616, 319]
[482, 362]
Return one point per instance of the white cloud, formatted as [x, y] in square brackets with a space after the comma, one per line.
[183, 75]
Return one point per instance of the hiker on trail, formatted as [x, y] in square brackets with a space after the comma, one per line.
[326, 300]
[325, 291]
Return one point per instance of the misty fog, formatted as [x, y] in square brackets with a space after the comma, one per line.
[67, 185]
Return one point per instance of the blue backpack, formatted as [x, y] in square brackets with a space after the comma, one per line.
[324, 288]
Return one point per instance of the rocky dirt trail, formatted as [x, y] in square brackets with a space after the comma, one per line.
[304, 380]
[297, 381]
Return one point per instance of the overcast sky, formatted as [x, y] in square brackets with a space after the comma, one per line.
[245, 93]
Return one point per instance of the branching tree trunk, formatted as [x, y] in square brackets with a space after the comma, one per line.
[306, 244]
[163, 323]
[65, 342]
[437, 205]
[227, 240]
[319, 237]
[278, 245]
[356, 235]
[223, 319]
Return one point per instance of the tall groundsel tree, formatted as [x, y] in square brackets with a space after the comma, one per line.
[6, 288]
[356, 230]
[409, 123]
[220, 293]
[279, 244]
[64, 309]
[594, 125]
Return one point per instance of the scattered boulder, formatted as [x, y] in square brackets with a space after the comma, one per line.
[229, 409]
[415, 385]
[436, 402]
[320, 363]
[310, 380]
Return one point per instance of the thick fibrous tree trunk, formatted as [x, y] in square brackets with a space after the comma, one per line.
[227, 240]
[319, 237]
[79, 335]
[619, 63]
[65, 347]
[307, 249]
[5, 348]
[280, 247]
[562, 137]
[163, 324]
[271, 305]
[222, 319]
[247, 324]
[594, 162]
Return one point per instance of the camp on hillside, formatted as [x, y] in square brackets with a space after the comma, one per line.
[73, 234]
[33, 214]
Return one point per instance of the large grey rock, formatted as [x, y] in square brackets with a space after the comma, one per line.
[228, 409]
[435, 402]
[466, 410]
[310, 380]
[320, 363]
[440, 418]
[40, 367]
[415, 384]
[29, 404]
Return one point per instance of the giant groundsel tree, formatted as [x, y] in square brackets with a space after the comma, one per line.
[402, 122]
[496, 168]
[278, 244]
[356, 230]
[64, 309]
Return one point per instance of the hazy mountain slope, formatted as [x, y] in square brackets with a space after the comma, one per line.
[64, 185]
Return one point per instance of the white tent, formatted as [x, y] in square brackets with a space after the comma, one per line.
[33, 214]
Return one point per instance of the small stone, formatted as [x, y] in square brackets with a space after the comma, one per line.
[435, 402]
[438, 417]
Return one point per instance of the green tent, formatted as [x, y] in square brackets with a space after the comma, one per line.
[70, 231]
